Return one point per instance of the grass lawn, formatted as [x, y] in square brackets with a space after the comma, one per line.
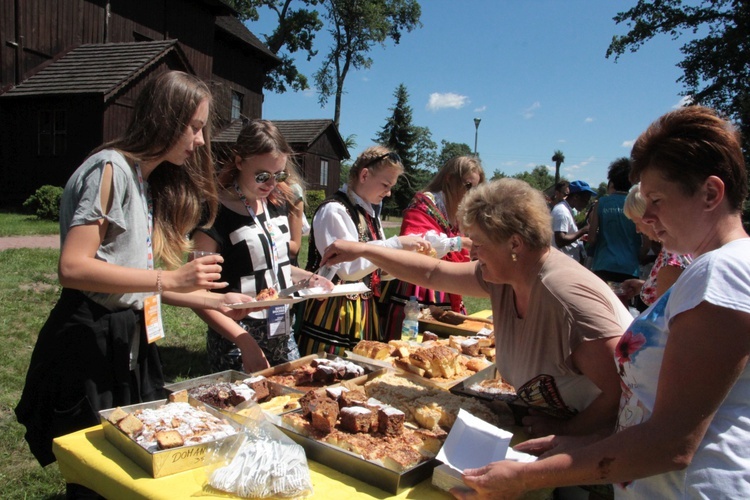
[28, 291]
[15, 224]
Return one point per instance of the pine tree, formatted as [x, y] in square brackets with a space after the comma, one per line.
[399, 135]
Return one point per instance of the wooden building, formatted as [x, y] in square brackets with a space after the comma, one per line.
[70, 70]
[320, 148]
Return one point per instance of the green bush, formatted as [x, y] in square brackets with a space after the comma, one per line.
[314, 198]
[45, 203]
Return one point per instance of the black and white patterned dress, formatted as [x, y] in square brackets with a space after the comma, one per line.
[248, 268]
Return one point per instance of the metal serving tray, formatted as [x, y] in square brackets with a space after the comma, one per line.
[227, 376]
[360, 468]
[371, 370]
[165, 462]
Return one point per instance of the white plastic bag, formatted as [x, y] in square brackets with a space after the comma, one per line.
[264, 463]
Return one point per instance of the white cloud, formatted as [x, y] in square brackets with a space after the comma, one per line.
[529, 112]
[684, 101]
[628, 144]
[448, 100]
[562, 141]
[588, 119]
[480, 109]
[578, 166]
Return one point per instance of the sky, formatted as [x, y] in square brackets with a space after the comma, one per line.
[533, 71]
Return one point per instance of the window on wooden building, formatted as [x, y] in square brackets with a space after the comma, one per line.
[52, 133]
[236, 105]
[323, 172]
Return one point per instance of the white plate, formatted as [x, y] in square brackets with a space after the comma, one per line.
[308, 293]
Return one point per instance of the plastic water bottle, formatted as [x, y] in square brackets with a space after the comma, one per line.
[410, 326]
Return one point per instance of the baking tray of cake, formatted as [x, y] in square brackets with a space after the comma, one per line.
[300, 375]
[388, 365]
[356, 466]
[280, 398]
[391, 364]
[162, 463]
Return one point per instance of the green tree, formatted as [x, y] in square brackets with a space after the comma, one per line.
[716, 68]
[356, 27]
[497, 174]
[346, 165]
[559, 159]
[398, 134]
[451, 150]
[539, 178]
[425, 149]
[295, 32]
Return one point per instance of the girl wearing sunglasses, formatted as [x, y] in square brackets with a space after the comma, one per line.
[251, 232]
[352, 213]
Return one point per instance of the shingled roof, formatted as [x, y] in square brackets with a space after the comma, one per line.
[97, 69]
[300, 133]
[229, 133]
[303, 132]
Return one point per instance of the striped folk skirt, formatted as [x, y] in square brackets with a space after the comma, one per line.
[337, 324]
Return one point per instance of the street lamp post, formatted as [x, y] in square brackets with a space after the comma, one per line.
[476, 133]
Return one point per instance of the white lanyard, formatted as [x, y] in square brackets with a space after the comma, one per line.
[148, 203]
[152, 304]
[267, 230]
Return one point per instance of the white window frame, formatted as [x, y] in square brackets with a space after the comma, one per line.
[324, 172]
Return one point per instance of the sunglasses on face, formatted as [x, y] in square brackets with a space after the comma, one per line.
[468, 185]
[263, 177]
[392, 157]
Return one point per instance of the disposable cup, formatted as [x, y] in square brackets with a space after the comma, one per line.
[196, 254]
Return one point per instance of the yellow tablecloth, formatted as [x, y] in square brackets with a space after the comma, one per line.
[87, 458]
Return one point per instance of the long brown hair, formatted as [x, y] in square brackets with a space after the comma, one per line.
[181, 195]
[450, 180]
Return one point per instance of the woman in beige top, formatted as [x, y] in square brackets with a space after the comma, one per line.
[556, 324]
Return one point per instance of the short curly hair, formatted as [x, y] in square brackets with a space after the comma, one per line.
[505, 207]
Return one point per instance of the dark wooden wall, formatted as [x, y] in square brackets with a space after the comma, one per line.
[240, 71]
[322, 149]
[84, 131]
[33, 33]
[40, 29]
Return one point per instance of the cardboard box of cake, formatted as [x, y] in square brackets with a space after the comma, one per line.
[165, 438]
